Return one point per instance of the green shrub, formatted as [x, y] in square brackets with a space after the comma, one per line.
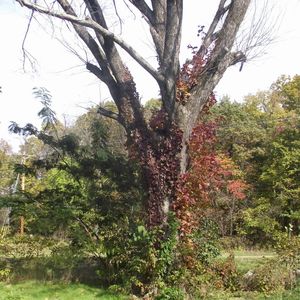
[37, 258]
[206, 240]
[225, 273]
[277, 274]
[288, 250]
[270, 277]
[26, 246]
[170, 293]
[4, 274]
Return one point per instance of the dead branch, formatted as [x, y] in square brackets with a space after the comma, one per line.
[109, 114]
[88, 22]
[254, 39]
[26, 54]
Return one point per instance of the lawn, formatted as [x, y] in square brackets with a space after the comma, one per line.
[249, 259]
[34, 290]
[38, 290]
[287, 295]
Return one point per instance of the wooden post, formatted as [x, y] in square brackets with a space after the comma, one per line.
[21, 225]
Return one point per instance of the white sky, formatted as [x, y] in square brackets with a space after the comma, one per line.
[73, 87]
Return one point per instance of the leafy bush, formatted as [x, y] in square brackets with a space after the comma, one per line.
[270, 277]
[279, 274]
[225, 273]
[126, 258]
[37, 258]
[28, 246]
[206, 239]
[4, 274]
[288, 250]
[170, 293]
[139, 260]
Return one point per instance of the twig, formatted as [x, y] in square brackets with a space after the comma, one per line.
[26, 54]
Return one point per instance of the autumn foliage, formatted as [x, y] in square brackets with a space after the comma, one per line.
[210, 175]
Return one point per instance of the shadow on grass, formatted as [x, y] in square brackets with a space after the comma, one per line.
[54, 277]
[34, 290]
[52, 269]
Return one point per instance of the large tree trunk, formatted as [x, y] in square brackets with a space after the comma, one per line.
[161, 145]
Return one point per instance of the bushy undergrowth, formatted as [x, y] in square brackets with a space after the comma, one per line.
[133, 263]
[37, 258]
[29, 246]
[269, 278]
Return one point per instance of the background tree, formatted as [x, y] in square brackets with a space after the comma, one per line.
[261, 136]
[7, 179]
[6, 167]
[86, 126]
[160, 145]
[280, 174]
[86, 190]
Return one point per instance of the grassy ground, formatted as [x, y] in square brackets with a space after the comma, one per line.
[287, 295]
[249, 260]
[32, 290]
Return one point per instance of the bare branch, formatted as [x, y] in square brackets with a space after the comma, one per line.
[94, 25]
[143, 7]
[107, 113]
[253, 40]
[26, 54]
[211, 34]
[98, 73]
[158, 28]
[88, 229]
[173, 30]
[169, 61]
[117, 13]
[112, 56]
[129, 8]
[220, 59]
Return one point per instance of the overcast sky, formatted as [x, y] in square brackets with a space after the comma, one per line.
[73, 88]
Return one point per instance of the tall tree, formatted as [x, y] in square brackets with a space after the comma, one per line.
[7, 179]
[160, 145]
[6, 167]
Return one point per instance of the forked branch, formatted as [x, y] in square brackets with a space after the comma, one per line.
[88, 22]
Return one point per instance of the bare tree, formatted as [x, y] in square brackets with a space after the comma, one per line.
[160, 144]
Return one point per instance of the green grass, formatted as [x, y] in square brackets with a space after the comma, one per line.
[249, 260]
[33, 290]
[287, 295]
